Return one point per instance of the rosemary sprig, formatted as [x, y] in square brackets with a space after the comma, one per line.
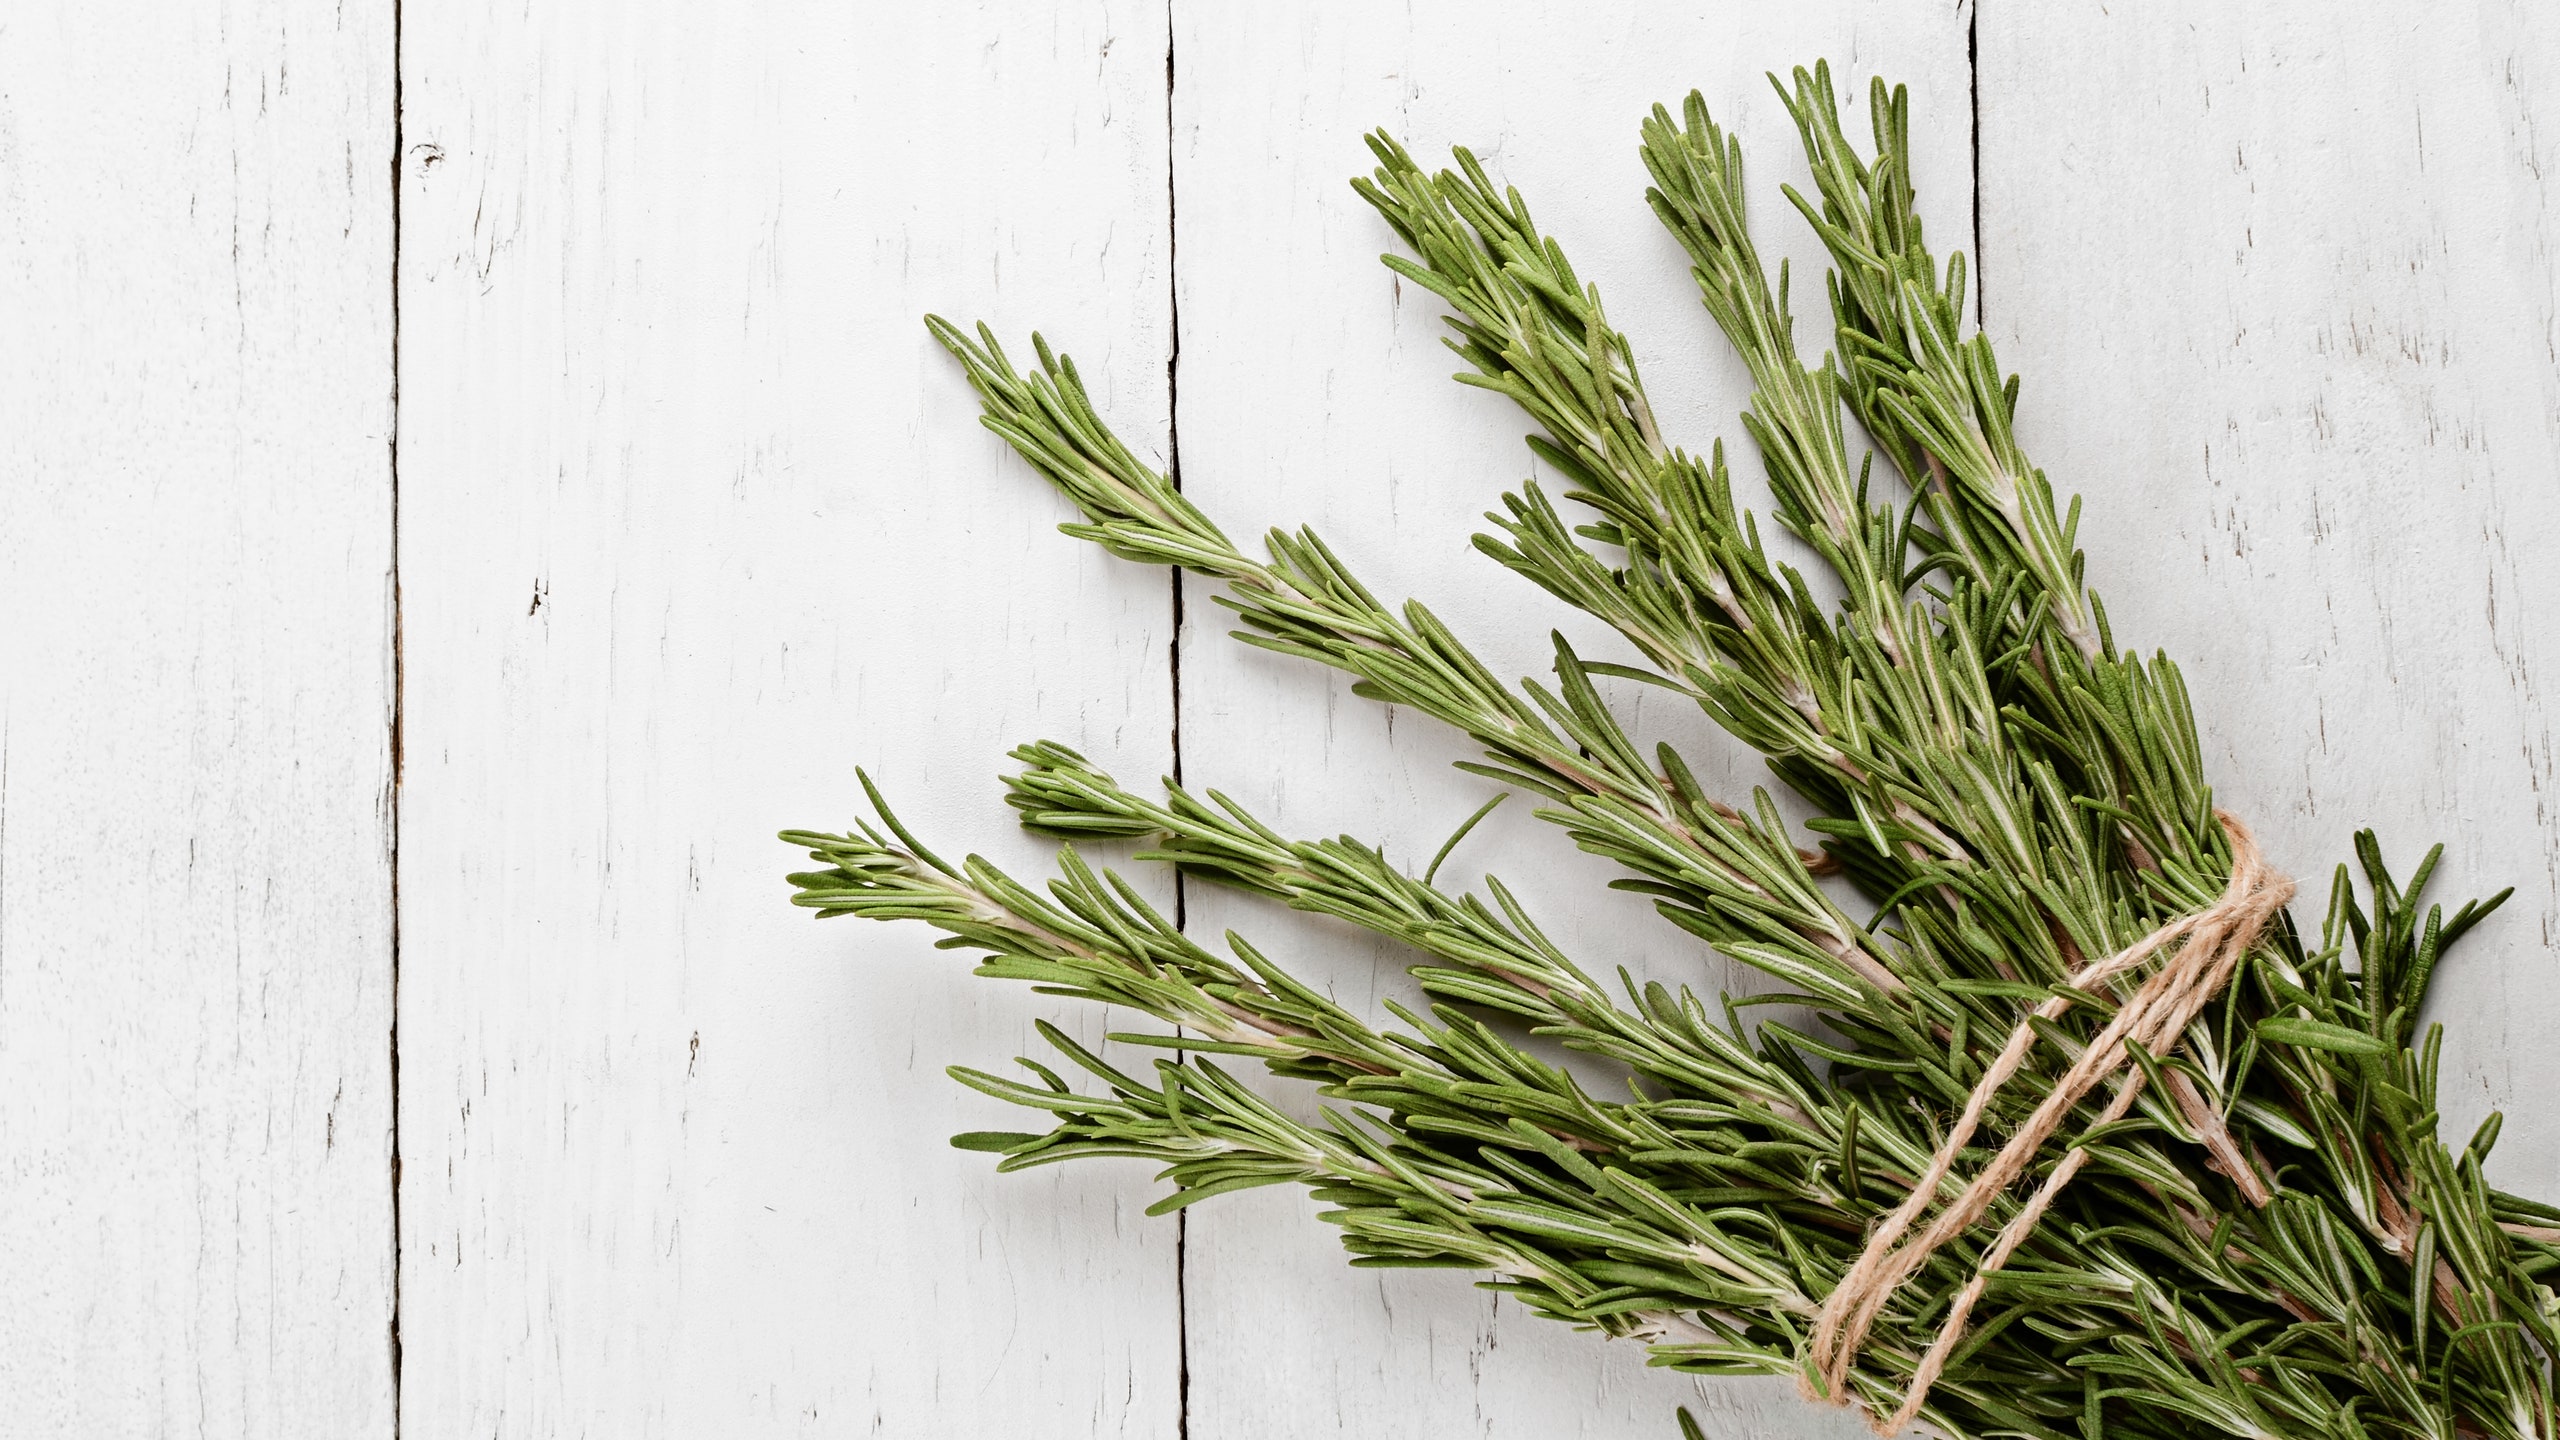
[2274, 1241]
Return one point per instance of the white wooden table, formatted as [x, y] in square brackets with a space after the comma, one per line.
[470, 473]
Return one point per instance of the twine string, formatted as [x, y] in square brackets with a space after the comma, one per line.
[2214, 941]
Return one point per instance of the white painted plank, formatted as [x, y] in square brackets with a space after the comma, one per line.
[195, 708]
[696, 519]
[2280, 282]
[1314, 390]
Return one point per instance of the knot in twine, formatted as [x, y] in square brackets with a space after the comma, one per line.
[2156, 1015]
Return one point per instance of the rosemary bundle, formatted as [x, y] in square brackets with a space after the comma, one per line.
[2084, 1136]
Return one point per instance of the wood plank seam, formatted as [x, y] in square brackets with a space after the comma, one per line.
[399, 704]
[1173, 653]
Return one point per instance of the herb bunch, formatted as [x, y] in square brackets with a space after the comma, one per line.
[2274, 1241]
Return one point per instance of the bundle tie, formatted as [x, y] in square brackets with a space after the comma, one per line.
[2156, 1015]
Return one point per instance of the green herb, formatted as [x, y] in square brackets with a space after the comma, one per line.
[2273, 1241]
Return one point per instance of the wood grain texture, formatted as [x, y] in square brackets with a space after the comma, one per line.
[1314, 389]
[195, 712]
[695, 519]
[2280, 280]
